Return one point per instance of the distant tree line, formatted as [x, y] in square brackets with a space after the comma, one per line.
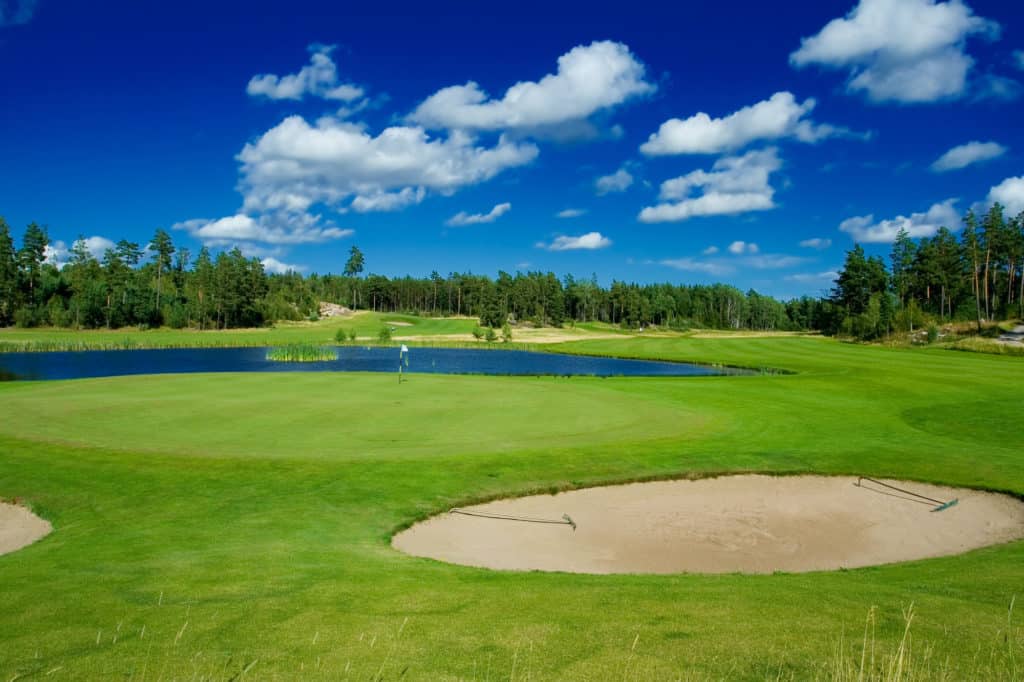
[162, 284]
[978, 277]
[127, 289]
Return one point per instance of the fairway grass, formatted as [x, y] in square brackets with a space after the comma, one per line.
[238, 525]
[366, 325]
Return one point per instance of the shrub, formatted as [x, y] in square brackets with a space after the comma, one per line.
[506, 332]
[384, 335]
[933, 333]
[25, 317]
[478, 333]
[176, 316]
[491, 336]
[341, 336]
[352, 335]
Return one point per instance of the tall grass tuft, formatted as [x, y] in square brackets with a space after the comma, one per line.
[976, 344]
[912, 661]
[46, 346]
[302, 352]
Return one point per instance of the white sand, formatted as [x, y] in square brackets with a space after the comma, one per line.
[750, 524]
[19, 527]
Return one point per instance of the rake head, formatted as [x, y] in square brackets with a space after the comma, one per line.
[946, 505]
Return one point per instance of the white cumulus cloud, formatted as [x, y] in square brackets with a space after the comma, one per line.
[274, 228]
[964, 155]
[590, 78]
[298, 165]
[319, 79]
[899, 50]
[710, 251]
[570, 213]
[715, 269]
[276, 267]
[1009, 193]
[295, 165]
[619, 181]
[740, 247]
[463, 218]
[749, 258]
[59, 254]
[56, 254]
[773, 261]
[819, 243]
[97, 246]
[380, 200]
[812, 277]
[589, 242]
[866, 230]
[735, 184]
[779, 116]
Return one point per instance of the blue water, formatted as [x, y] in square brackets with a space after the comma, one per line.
[107, 363]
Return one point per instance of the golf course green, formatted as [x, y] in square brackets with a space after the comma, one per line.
[238, 526]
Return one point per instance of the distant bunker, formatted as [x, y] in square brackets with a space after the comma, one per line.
[19, 527]
[743, 523]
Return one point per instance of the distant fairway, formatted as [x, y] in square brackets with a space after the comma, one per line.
[205, 525]
[365, 324]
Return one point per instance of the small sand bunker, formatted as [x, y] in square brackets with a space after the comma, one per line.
[748, 523]
[19, 527]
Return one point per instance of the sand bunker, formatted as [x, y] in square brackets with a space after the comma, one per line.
[19, 527]
[750, 524]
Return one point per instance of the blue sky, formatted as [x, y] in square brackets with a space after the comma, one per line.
[750, 143]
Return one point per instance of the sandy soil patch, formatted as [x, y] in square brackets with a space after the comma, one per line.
[328, 309]
[748, 523]
[19, 527]
[397, 323]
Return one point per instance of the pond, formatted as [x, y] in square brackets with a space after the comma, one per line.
[106, 363]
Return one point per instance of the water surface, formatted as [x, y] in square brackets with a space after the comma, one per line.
[106, 363]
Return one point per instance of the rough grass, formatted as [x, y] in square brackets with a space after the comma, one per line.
[365, 324]
[990, 346]
[239, 525]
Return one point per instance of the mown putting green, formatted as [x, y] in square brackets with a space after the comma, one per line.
[209, 525]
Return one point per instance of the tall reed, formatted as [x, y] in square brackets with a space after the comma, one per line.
[302, 352]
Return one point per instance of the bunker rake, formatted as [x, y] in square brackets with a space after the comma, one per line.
[915, 497]
[566, 520]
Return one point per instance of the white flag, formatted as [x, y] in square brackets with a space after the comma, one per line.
[405, 348]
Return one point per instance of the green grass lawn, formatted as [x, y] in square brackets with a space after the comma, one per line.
[208, 526]
[366, 324]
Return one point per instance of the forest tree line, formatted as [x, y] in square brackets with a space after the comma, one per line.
[978, 276]
[161, 283]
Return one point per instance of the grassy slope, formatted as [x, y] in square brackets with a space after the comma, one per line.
[246, 518]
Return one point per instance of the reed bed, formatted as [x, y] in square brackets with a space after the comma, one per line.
[64, 345]
[302, 352]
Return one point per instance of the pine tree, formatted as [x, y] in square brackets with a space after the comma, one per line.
[32, 256]
[162, 248]
[8, 275]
